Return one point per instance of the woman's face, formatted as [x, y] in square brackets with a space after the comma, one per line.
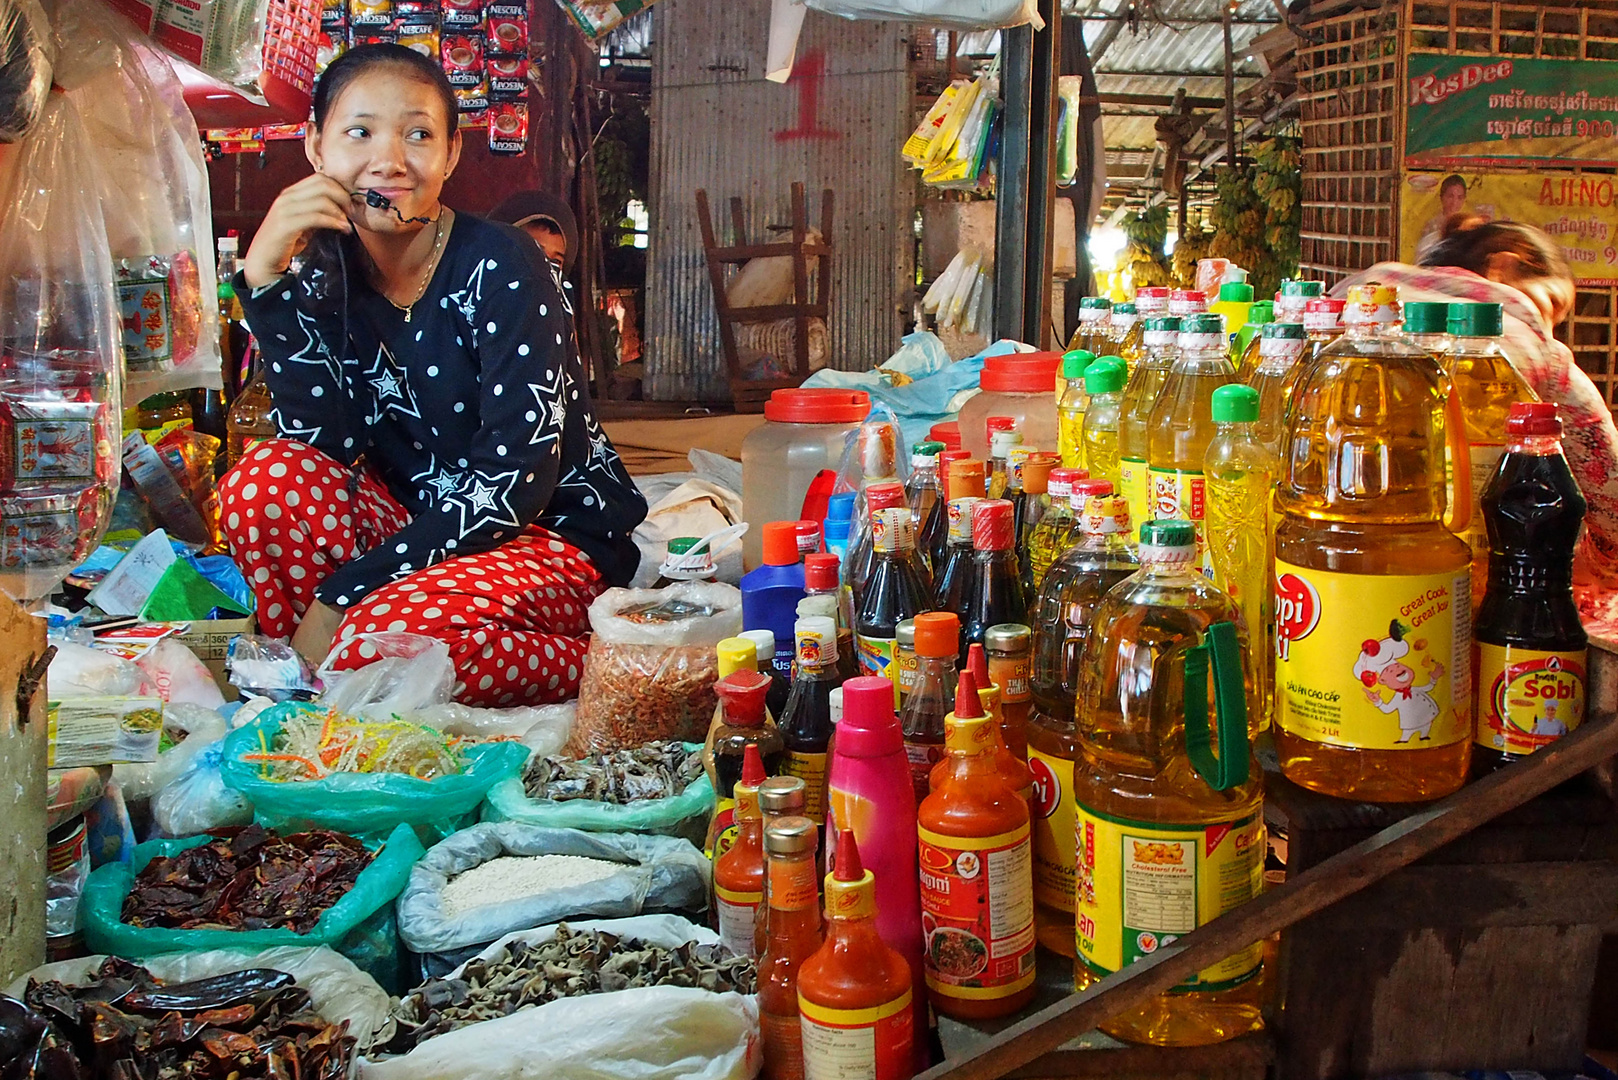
[387, 132]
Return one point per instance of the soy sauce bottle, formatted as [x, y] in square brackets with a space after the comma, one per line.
[997, 593]
[896, 590]
[1530, 657]
[806, 721]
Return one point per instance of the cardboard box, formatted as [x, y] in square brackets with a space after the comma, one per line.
[210, 640]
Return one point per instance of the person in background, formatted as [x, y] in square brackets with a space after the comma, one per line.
[1451, 201]
[1520, 268]
[548, 219]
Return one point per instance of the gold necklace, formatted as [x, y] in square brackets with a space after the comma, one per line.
[432, 264]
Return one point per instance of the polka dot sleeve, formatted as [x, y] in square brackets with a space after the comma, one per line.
[514, 323]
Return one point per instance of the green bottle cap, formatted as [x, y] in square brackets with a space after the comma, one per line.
[680, 545]
[1206, 323]
[1289, 331]
[1422, 317]
[1169, 323]
[1262, 313]
[1307, 290]
[1473, 320]
[1168, 533]
[1105, 376]
[1074, 363]
[1235, 292]
[927, 449]
[1235, 404]
[1094, 302]
[1123, 309]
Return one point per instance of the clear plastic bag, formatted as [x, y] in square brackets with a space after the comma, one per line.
[188, 730]
[25, 66]
[651, 666]
[659, 873]
[197, 800]
[269, 668]
[648, 1033]
[180, 678]
[81, 671]
[542, 728]
[404, 673]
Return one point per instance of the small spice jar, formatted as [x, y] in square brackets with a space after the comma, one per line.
[904, 657]
[1010, 648]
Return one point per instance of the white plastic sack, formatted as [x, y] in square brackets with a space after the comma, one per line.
[410, 672]
[649, 1033]
[542, 728]
[202, 727]
[337, 989]
[80, 671]
[662, 872]
[197, 801]
[179, 676]
[956, 14]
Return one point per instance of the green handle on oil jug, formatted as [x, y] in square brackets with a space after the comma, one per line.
[1229, 768]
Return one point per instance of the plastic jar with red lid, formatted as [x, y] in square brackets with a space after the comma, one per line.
[803, 433]
[1018, 385]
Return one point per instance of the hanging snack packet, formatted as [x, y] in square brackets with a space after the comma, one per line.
[463, 14]
[508, 29]
[508, 127]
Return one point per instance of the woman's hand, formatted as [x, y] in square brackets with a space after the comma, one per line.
[314, 635]
[315, 202]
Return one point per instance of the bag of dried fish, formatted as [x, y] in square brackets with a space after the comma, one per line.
[632, 1004]
[657, 788]
[340, 992]
[651, 667]
[499, 877]
[359, 803]
[206, 892]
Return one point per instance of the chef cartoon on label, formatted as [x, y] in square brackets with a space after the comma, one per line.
[1381, 668]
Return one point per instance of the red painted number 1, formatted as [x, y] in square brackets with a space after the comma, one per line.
[809, 75]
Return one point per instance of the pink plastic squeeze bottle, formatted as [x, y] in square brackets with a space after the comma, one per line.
[870, 792]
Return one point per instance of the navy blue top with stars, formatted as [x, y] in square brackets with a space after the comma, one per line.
[476, 413]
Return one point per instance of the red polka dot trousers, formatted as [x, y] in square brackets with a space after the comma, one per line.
[514, 618]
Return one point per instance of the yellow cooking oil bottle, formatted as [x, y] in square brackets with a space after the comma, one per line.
[1169, 819]
[1181, 425]
[1240, 476]
[1488, 386]
[1104, 382]
[1372, 607]
[1071, 407]
[1095, 326]
[1161, 337]
[1282, 346]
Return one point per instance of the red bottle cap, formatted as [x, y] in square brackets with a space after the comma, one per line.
[820, 571]
[808, 534]
[967, 705]
[1068, 477]
[977, 662]
[849, 867]
[948, 433]
[883, 495]
[781, 543]
[741, 693]
[1534, 418]
[1021, 373]
[993, 424]
[1085, 490]
[817, 406]
[938, 633]
[753, 773]
[993, 525]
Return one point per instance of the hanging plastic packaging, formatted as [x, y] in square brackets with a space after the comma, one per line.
[963, 14]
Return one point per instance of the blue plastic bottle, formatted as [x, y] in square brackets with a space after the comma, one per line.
[770, 593]
[839, 524]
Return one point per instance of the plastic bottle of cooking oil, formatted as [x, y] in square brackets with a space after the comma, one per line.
[1161, 339]
[1281, 349]
[1488, 386]
[1373, 614]
[1095, 326]
[1241, 540]
[1071, 408]
[1427, 325]
[1104, 382]
[1181, 424]
[1169, 836]
[1124, 332]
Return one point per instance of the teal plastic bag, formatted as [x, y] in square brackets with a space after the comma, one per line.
[362, 804]
[685, 814]
[101, 910]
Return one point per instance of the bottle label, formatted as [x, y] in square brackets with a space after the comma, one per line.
[922, 757]
[1053, 829]
[1142, 885]
[876, 656]
[909, 667]
[1287, 350]
[793, 885]
[1179, 495]
[782, 1037]
[722, 829]
[811, 769]
[858, 1044]
[1527, 698]
[1010, 674]
[738, 918]
[1134, 484]
[977, 904]
[1376, 662]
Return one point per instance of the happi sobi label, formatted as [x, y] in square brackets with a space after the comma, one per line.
[858, 1044]
[1053, 829]
[977, 910]
[1141, 885]
[1527, 698]
[1376, 662]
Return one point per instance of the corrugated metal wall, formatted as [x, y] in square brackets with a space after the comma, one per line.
[717, 124]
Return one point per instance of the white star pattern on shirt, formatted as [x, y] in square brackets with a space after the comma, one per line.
[485, 499]
[467, 299]
[439, 482]
[293, 428]
[392, 386]
[561, 289]
[553, 412]
[577, 479]
[315, 351]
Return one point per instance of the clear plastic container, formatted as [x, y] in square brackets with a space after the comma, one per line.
[1018, 385]
[803, 433]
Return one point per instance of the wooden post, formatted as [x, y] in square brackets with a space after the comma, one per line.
[1230, 87]
[22, 776]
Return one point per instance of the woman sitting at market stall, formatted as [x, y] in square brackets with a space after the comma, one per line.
[1522, 270]
[441, 470]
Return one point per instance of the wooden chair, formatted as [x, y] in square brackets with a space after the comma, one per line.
[749, 395]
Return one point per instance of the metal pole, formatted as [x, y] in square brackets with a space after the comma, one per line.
[1011, 182]
[1046, 63]
[1230, 88]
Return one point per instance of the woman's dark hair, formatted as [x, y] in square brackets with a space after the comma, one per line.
[1467, 241]
[362, 58]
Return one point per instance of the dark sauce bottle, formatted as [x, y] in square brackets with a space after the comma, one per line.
[896, 590]
[997, 593]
